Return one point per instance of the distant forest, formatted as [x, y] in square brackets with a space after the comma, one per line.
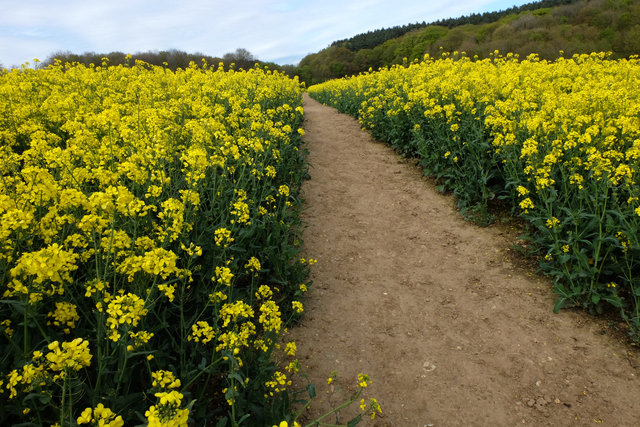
[545, 27]
[371, 39]
[172, 59]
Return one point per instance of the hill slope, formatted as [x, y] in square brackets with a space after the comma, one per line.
[571, 26]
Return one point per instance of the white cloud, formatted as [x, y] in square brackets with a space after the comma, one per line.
[28, 50]
[270, 29]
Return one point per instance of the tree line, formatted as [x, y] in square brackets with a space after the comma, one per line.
[570, 26]
[489, 17]
[172, 59]
[371, 39]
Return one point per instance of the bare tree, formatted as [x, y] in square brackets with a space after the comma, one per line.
[242, 58]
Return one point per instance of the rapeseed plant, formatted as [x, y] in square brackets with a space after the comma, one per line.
[135, 234]
[559, 141]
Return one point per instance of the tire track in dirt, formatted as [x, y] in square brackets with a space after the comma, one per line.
[432, 308]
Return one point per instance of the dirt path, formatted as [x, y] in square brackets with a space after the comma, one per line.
[431, 307]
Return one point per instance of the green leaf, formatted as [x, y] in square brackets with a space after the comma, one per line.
[244, 417]
[559, 304]
[19, 306]
[354, 421]
[236, 376]
[614, 300]
[37, 398]
[312, 391]
[564, 258]
[190, 405]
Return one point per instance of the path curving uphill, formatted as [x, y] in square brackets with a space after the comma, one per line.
[432, 307]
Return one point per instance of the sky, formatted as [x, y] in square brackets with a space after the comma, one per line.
[280, 31]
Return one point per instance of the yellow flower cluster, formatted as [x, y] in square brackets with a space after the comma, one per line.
[374, 407]
[167, 411]
[100, 416]
[240, 209]
[223, 276]
[278, 382]
[581, 113]
[124, 310]
[286, 424]
[138, 339]
[73, 355]
[234, 311]
[136, 205]
[165, 380]
[65, 315]
[30, 376]
[46, 270]
[201, 332]
[364, 380]
[263, 292]
[560, 139]
[297, 306]
[223, 237]
[253, 264]
[270, 316]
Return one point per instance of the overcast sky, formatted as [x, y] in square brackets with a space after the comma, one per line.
[281, 31]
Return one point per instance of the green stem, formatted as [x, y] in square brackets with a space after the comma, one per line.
[122, 369]
[204, 386]
[25, 340]
[39, 417]
[111, 237]
[333, 411]
[100, 328]
[71, 423]
[183, 361]
[599, 246]
[215, 362]
[62, 406]
[233, 406]
[42, 331]
[636, 295]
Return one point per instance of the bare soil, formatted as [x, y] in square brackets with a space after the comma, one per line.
[451, 328]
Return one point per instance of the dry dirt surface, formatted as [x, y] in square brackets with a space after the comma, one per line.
[450, 328]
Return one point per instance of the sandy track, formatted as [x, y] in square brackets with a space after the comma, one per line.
[432, 308]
